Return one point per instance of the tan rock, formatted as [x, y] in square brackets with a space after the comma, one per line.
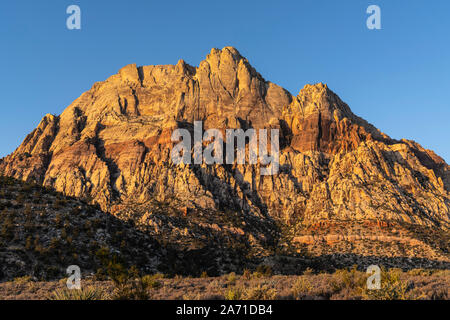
[113, 144]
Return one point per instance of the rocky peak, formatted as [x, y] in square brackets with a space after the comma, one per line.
[228, 56]
[112, 144]
[319, 98]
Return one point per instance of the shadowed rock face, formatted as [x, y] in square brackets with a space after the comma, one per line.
[113, 145]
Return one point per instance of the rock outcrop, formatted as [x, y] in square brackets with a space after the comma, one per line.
[112, 145]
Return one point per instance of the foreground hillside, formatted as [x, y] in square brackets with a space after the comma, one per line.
[42, 232]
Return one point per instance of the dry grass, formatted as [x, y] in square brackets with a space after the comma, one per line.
[343, 284]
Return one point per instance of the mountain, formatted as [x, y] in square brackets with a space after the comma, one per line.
[343, 186]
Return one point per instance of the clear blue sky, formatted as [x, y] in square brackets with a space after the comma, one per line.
[397, 78]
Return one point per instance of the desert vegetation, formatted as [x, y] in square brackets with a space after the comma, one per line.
[343, 284]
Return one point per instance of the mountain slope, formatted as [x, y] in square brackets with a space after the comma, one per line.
[42, 232]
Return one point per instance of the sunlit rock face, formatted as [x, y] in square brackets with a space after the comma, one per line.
[113, 144]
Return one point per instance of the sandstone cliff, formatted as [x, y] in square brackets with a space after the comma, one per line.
[112, 146]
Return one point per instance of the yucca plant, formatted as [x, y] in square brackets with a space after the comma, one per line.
[89, 293]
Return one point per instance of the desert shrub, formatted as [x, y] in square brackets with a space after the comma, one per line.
[63, 233]
[350, 279]
[22, 280]
[8, 227]
[247, 274]
[178, 277]
[301, 287]
[28, 226]
[256, 275]
[29, 243]
[392, 287]
[308, 272]
[129, 286]
[192, 296]
[58, 220]
[264, 270]
[231, 278]
[259, 292]
[234, 293]
[438, 294]
[443, 273]
[27, 210]
[55, 243]
[90, 293]
[151, 281]
[37, 197]
[420, 272]
[20, 198]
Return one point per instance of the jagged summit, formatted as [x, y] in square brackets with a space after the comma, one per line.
[112, 144]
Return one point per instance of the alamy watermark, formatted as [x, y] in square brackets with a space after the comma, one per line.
[374, 280]
[235, 151]
[74, 280]
[73, 22]
[374, 20]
